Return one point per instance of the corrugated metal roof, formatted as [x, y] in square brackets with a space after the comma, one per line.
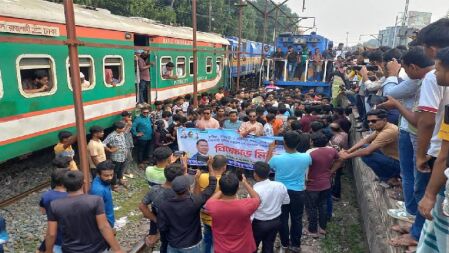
[100, 18]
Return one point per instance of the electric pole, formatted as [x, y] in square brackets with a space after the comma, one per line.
[210, 15]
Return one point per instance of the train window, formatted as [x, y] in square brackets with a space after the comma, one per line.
[181, 67]
[114, 71]
[219, 63]
[167, 72]
[36, 75]
[1, 85]
[87, 72]
[208, 65]
[191, 66]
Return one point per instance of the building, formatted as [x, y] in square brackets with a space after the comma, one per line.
[393, 36]
[418, 19]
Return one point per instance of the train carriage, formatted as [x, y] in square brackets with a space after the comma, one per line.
[32, 35]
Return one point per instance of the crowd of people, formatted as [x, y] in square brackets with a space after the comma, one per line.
[400, 96]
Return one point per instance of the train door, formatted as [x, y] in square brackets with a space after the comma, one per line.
[142, 74]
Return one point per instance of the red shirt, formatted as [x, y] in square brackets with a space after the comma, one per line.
[231, 224]
[305, 121]
[319, 175]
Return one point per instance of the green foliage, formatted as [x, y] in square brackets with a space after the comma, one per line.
[224, 15]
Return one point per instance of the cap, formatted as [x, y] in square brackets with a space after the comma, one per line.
[180, 184]
[81, 75]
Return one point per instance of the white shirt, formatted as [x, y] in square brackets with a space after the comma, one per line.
[432, 99]
[268, 130]
[272, 196]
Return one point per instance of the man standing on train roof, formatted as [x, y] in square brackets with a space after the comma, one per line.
[292, 62]
[278, 58]
[168, 72]
[144, 74]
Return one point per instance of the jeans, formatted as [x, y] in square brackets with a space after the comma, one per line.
[278, 69]
[291, 68]
[143, 91]
[207, 244]
[407, 171]
[316, 202]
[194, 249]
[118, 172]
[292, 236]
[143, 150]
[421, 181]
[336, 184]
[383, 166]
[265, 232]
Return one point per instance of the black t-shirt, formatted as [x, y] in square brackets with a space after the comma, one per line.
[292, 57]
[278, 55]
[76, 215]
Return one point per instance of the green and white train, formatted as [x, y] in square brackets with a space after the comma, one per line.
[32, 35]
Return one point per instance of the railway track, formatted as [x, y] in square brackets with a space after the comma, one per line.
[22, 195]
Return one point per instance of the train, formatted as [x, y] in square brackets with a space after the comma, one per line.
[305, 45]
[32, 44]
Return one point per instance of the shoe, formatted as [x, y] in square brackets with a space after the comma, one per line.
[400, 205]
[283, 249]
[294, 249]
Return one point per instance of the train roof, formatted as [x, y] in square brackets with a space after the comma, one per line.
[100, 18]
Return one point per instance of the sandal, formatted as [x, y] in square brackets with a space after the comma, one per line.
[401, 215]
[306, 232]
[403, 241]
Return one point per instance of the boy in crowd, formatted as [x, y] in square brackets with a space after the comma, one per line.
[157, 195]
[88, 231]
[57, 191]
[116, 142]
[231, 226]
[101, 186]
[273, 195]
[64, 147]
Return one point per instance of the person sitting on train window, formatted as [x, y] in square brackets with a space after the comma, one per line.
[84, 83]
[167, 71]
[109, 78]
[40, 83]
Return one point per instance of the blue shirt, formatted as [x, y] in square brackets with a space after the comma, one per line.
[46, 199]
[103, 190]
[290, 169]
[230, 125]
[143, 124]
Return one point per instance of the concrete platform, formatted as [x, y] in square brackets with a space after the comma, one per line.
[374, 202]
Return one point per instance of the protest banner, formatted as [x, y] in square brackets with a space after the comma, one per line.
[242, 152]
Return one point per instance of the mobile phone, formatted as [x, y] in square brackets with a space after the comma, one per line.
[179, 153]
[279, 142]
[191, 171]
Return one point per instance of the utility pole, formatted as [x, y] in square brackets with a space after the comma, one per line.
[210, 15]
[347, 40]
[195, 59]
[72, 43]
[275, 29]
[240, 5]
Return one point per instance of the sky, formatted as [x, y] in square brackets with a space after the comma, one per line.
[334, 18]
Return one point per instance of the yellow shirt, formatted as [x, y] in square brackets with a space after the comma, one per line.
[60, 151]
[96, 148]
[204, 182]
[444, 132]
